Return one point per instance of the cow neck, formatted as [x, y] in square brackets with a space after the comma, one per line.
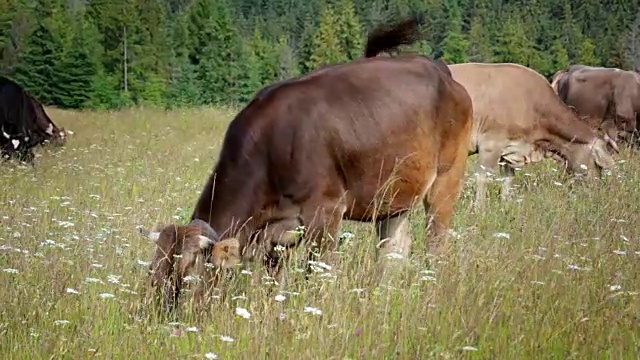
[227, 201]
[567, 127]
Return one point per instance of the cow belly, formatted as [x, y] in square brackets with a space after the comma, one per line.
[373, 196]
[519, 153]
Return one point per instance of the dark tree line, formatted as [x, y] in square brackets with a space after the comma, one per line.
[172, 53]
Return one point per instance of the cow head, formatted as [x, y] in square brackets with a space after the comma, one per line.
[593, 156]
[59, 137]
[55, 136]
[182, 250]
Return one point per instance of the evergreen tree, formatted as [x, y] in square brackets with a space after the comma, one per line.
[455, 44]
[349, 30]
[326, 44]
[587, 53]
[479, 42]
[78, 67]
[37, 66]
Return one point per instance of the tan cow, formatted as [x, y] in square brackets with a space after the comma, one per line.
[606, 98]
[364, 140]
[519, 119]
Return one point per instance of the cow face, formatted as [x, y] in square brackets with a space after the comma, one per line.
[181, 252]
[594, 156]
[59, 137]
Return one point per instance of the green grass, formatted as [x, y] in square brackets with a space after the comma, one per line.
[563, 285]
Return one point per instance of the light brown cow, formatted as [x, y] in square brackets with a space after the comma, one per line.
[363, 141]
[606, 98]
[519, 119]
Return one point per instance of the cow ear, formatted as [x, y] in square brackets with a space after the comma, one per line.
[226, 253]
[601, 156]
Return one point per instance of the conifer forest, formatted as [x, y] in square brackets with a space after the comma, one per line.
[108, 54]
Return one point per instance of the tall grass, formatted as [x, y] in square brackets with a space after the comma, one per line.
[553, 274]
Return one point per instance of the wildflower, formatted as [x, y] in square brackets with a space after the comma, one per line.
[243, 312]
[93, 280]
[394, 255]
[226, 338]
[619, 252]
[346, 236]
[61, 322]
[469, 348]
[10, 271]
[107, 296]
[279, 297]
[72, 291]
[144, 263]
[502, 235]
[211, 355]
[319, 265]
[428, 278]
[615, 287]
[312, 310]
[191, 329]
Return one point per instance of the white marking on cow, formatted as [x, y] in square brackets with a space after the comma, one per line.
[204, 242]
[15, 143]
[49, 129]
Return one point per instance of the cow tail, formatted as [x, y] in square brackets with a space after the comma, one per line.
[386, 37]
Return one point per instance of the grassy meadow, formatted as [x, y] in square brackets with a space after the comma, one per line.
[555, 274]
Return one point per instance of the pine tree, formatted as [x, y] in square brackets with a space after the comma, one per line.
[79, 66]
[455, 45]
[514, 45]
[326, 44]
[37, 65]
[587, 53]
[219, 64]
[105, 93]
[349, 30]
[560, 57]
[632, 43]
[287, 61]
[479, 42]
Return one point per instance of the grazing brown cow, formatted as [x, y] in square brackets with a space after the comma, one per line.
[360, 141]
[606, 98]
[519, 119]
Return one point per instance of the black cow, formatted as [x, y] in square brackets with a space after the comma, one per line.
[23, 123]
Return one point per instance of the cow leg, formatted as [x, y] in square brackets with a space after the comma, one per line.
[321, 235]
[395, 235]
[440, 202]
[487, 161]
[507, 173]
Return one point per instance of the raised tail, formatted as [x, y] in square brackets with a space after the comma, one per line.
[387, 37]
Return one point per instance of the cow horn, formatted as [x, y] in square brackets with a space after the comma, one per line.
[611, 142]
[204, 242]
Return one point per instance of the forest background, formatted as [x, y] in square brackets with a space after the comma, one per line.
[189, 53]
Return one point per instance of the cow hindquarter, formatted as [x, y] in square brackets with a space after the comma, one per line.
[443, 196]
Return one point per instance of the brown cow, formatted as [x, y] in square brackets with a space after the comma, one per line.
[359, 141]
[607, 98]
[519, 119]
